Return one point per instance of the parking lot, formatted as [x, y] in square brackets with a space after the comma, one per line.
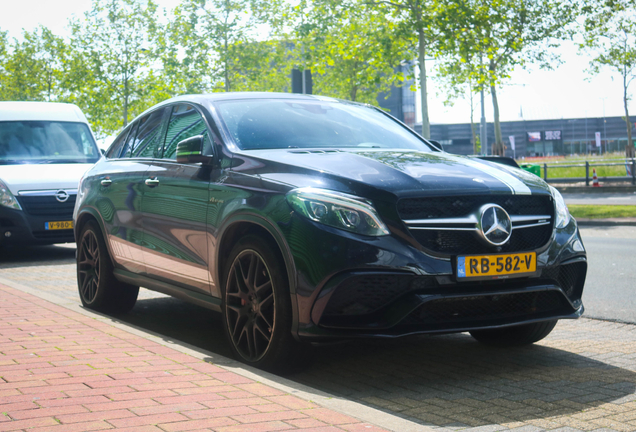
[582, 377]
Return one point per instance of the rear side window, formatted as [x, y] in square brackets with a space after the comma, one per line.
[185, 122]
[115, 148]
[148, 141]
[130, 141]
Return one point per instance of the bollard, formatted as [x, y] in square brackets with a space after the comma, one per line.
[587, 173]
[545, 172]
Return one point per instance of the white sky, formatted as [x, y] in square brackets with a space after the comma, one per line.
[566, 92]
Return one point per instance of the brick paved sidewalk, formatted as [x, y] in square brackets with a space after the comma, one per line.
[63, 371]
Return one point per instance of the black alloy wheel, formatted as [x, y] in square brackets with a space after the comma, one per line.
[257, 307]
[88, 267]
[97, 285]
[250, 305]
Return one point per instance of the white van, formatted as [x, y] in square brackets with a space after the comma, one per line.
[45, 148]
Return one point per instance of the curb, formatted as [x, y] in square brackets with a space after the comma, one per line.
[612, 222]
[590, 189]
[354, 409]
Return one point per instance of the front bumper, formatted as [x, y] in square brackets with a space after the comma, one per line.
[361, 287]
[18, 228]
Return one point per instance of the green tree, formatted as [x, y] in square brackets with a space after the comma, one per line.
[420, 17]
[494, 37]
[610, 37]
[111, 52]
[353, 51]
[34, 68]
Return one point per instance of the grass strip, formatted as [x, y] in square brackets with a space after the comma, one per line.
[593, 211]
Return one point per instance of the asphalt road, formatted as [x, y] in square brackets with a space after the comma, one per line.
[610, 288]
[601, 198]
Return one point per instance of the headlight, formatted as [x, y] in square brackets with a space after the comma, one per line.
[6, 197]
[561, 210]
[337, 210]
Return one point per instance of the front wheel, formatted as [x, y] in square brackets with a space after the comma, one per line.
[97, 285]
[524, 334]
[257, 312]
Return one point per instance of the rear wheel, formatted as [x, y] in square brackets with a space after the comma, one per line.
[257, 313]
[97, 285]
[524, 334]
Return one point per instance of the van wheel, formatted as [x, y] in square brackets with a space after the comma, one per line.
[98, 288]
[524, 334]
[256, 306]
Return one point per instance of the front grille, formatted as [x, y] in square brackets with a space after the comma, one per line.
[449, 242]
[365, 294]
[48, 206]
[458, 206]
[476, 309]
[570, 277]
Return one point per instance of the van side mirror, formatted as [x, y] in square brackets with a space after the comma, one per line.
[190, 150]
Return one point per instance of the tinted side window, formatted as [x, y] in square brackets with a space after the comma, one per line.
[130, 141]
[148, 140]
[185, 122]
[115, 149]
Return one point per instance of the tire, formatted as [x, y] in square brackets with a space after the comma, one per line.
[98, 288]
[256, 307]
[524, 334]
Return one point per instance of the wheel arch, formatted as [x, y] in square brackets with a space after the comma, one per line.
[83, 217]
[242, 224]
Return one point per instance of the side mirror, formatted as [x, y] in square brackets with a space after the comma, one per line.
[436, 144]
[190, 150]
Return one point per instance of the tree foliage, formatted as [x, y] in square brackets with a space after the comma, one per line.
[354, 51]
[610, 37]
[485, 40]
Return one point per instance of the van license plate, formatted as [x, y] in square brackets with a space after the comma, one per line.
[471, 266]
[61, 225]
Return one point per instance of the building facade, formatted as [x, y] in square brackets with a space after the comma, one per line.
[541, 137]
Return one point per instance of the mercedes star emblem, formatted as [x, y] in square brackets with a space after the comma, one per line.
[494, 224]
[61, 196]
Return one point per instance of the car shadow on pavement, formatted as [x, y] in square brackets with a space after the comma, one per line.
[453, 381]
[444, 381]
[12, 257]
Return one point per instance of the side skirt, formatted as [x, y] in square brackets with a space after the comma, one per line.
[196, 298]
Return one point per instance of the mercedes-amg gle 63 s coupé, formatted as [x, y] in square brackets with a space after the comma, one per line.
[304, 218]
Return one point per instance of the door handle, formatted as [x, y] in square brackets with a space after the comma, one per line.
[106, 182]
[152, 182]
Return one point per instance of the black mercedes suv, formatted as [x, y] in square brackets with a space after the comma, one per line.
[304, 218]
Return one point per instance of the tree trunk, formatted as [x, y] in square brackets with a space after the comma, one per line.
[226, 53]
[498, 146]
[426, 126]
[472, 122]
[627, 121]
[125, 122]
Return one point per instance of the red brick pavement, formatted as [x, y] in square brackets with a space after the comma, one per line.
[61, 371]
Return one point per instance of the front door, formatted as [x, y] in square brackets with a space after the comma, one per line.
[174, 207]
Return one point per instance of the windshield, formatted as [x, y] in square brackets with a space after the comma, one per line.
[271, 124]
[46, 142]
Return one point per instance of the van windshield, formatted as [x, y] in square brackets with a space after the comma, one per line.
[46, 142]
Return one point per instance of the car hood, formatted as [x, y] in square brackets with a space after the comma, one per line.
[400, 172]
[29, 177]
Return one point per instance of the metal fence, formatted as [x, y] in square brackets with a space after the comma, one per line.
[629, 164]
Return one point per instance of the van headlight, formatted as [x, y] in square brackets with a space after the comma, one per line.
[560, 209]
[337, 210]
[6, 197]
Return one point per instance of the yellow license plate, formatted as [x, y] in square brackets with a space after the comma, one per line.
[471, 266]
[61, 225]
